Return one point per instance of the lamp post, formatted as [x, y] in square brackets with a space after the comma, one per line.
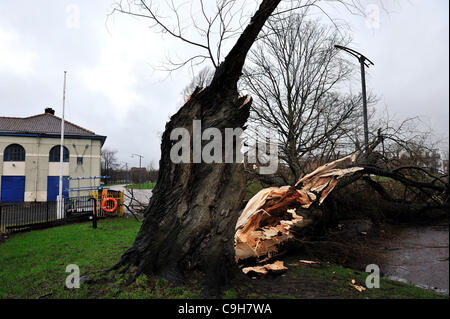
[364, 62]
[140, 158]
[126, 171]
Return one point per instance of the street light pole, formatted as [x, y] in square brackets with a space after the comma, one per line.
[126, 171]
[140, 158]
[364, 62]
[364, 97]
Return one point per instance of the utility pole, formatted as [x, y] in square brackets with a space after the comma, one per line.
[140, 158]
[126, 171]
[364, 62]
[60, 201]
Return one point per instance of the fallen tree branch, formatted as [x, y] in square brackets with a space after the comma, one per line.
[378, 188]
[435, 178]
[368, 169]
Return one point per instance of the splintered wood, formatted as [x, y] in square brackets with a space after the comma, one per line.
[277, 268]
[269, 217]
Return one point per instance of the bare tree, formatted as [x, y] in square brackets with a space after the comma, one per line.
[152, 172]
[297, 79]
[135, 206]
[109, 161]
[138, 175]
[209, 29]
[206, 27]
[407, 152]
[189, 224]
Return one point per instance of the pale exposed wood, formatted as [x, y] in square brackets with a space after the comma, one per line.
[309, 262]
[267, 220]
[325, 167]
[276, 268]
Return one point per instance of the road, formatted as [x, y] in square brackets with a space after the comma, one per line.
[140, 195]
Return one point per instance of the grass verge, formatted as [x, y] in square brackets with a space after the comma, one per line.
[326, 281]
[33, 264]
[141, 186]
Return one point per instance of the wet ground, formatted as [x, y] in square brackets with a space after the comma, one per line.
[419, 256]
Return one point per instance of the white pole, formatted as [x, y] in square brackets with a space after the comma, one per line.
[60, 202]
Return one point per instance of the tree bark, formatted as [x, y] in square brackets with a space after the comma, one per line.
[190, 221]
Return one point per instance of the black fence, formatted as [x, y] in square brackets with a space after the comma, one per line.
[78, 205]
[31, 215]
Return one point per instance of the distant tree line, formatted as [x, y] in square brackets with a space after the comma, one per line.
[117, 173]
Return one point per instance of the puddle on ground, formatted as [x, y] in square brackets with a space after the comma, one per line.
[419, 256]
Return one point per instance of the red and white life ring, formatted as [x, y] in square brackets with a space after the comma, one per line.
[109, 210]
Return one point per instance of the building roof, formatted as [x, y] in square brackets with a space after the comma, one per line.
[45, 125]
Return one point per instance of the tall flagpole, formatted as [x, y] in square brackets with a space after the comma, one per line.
[61, 156]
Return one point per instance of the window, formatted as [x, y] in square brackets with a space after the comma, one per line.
[54, 154]
[14, 153]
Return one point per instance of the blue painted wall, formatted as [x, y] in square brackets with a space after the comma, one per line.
[53, 187]
[13, 188]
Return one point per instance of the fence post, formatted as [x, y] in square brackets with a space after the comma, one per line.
[94, 217]
[47, 210]
[0, 217]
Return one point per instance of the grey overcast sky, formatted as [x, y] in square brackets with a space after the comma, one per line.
[113, 89]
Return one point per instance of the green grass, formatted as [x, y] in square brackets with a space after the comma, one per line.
[141, 186]
[253, 189]
[33, 265]
[151, 288]
[229, 294]
[112, 184]
[382, 179]
[326, 280]
[339, 279]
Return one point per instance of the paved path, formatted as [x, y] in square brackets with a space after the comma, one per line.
[141, 195]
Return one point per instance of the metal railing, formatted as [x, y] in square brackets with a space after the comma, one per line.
[29, 215]
[77, 205]
[25, 215]
[16, 215]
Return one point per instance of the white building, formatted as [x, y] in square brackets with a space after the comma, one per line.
[30, 157]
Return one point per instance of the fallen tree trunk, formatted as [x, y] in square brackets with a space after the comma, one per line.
[275, 217]
[268, 220]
